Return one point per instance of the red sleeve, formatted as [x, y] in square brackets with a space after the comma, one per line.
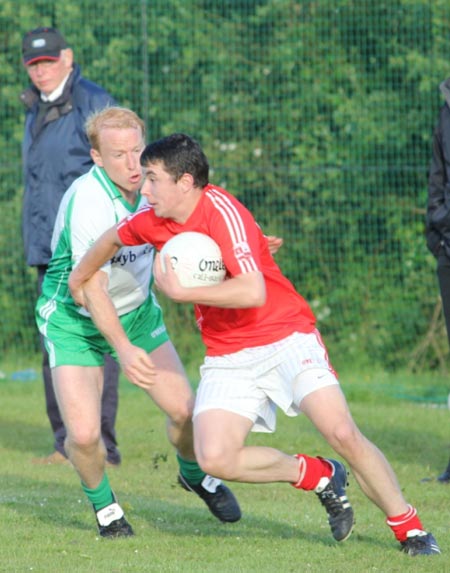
[134, 229]
[234, 229]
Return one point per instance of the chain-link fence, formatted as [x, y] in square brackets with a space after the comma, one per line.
[317, 114]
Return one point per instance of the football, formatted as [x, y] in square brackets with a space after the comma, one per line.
[196, 259]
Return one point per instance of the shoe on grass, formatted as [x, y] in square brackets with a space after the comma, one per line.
[420, 543]
[445, 476]
[219, 499]
[111, 522]
[331, 493]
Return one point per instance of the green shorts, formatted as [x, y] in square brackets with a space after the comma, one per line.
[73, 339]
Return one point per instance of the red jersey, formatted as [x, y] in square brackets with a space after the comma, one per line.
[244, 249]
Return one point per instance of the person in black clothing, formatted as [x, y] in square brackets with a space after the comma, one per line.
[438, 212]
[55, 151]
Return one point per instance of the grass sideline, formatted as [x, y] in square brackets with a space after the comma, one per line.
[46, 525]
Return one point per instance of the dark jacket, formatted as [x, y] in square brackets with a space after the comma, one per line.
[55, 151]
[438, 207]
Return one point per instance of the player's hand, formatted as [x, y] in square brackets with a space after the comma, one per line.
[274, 243]
[78, 296]
[76, 291]
[137, 366]
[166, 280]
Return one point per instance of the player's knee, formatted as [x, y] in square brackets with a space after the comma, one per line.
[84, 439]
[345, 436]
[215, 467]
[181, 415]
[217, 462]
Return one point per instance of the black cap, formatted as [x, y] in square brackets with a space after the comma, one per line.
[42, 44]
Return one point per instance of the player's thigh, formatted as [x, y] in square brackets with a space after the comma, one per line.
[328, 410]
[78, 390]
[171, 390]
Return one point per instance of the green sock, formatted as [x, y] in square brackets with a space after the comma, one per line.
[191, 471]
[101, 496]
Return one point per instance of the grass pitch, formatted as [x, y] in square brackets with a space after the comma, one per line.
[47, 525]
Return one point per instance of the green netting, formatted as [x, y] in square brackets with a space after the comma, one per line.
[318, 115]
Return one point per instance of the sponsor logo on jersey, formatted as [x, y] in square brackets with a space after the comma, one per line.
[125, 257]
[242, 250]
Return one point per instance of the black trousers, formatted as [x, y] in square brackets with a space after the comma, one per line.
[443, 274]
[110, 399]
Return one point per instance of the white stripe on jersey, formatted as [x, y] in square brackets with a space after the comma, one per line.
[234, 225]
[230, 214]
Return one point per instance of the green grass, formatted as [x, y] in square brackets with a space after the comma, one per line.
[46, 524]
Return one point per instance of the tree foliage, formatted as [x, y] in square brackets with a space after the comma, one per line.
[317, 114]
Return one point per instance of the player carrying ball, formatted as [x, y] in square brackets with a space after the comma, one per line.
[263, 350]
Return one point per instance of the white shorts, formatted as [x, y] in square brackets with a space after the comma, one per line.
[255, 381]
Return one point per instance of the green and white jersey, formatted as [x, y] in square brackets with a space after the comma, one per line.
[90, 206]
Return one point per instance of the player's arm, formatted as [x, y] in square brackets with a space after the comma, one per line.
[246, 290]
[104, 248]
[135, 362]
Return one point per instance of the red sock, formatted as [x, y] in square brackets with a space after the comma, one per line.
[311, 470]
[401, 524]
